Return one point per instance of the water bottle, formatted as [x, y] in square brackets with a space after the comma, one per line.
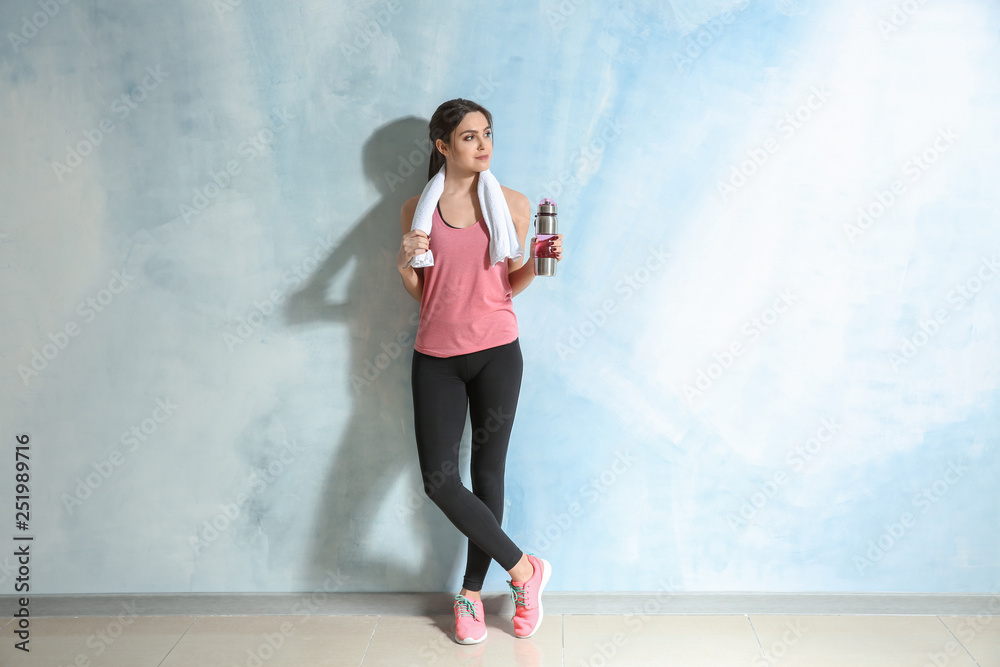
[546, 227]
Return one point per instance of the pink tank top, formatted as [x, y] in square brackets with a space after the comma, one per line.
[466, 304]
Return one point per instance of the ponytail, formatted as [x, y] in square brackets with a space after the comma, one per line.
[437, 159]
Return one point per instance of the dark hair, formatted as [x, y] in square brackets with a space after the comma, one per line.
[446, 118]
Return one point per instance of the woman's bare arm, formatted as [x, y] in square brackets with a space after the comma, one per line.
[414, 243]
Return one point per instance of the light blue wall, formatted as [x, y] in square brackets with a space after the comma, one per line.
[717, 393]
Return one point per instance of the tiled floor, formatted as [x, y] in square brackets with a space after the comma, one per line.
[570, 639]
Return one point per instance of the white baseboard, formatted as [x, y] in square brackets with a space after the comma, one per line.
[408, 604]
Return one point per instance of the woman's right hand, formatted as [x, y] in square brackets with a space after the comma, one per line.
[415, 242]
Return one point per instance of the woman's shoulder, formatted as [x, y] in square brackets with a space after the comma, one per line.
[518, 204]
[407, 211]
[411, 204]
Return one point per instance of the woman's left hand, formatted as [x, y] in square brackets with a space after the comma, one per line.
[555, 243]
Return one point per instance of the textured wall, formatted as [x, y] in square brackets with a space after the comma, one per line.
[769, 361]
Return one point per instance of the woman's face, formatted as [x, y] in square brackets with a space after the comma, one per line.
[471, 143]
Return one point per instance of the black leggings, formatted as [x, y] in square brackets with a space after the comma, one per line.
[488, 382]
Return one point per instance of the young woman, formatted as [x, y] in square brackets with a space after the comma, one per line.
[466, 353]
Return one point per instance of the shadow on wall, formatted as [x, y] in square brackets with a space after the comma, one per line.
[355, 532]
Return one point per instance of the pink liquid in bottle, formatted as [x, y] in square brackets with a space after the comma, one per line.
[542, 248]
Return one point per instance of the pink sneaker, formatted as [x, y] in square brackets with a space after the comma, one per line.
[470, 623]
[527, 598]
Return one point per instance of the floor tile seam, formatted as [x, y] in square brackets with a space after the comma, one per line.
[760, 647]
[183, 634]
[562, 653]
[971, 657]
[777, 613]
[364, 656]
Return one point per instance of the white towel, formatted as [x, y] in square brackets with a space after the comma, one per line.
[503, 236]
